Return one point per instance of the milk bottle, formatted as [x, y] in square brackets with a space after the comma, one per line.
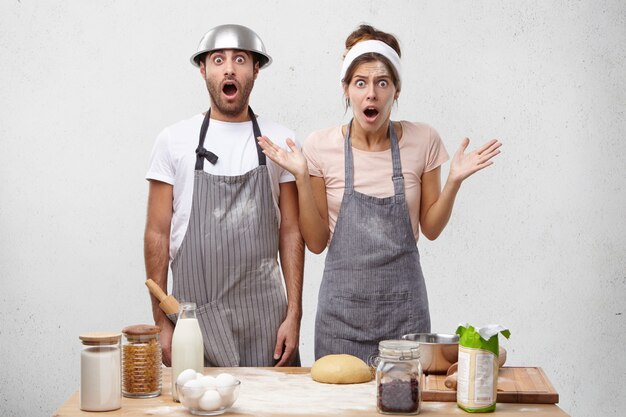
[187, 344]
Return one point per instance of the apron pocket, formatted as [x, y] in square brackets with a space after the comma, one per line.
[369, 317]
[220, 348]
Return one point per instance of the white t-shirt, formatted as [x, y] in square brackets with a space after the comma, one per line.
[173, 161]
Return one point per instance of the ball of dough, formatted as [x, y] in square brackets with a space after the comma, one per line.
[340, 369]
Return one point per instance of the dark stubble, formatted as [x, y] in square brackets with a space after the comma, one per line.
[236, 107]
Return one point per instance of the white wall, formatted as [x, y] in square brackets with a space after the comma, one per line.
[536, 242]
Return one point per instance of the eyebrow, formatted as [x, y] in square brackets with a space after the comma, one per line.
[236, 51]
[378, 77]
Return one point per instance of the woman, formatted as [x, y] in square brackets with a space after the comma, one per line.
[365, 189]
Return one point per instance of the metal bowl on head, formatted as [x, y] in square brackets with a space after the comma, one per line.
[232, 37]
[437, 351]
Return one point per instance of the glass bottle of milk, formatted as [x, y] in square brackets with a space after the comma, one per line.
[187, 344]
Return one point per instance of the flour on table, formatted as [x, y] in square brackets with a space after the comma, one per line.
[164, 410]
[266, 392]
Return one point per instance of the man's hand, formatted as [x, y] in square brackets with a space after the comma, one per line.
[167, 330]
[287, 341]
[291, 251]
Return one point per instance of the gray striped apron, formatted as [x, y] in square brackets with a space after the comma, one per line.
[372, 288]
[227, 262]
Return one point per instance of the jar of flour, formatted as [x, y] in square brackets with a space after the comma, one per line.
[100, 372]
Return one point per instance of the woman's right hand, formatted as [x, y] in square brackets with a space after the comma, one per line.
[293, 161]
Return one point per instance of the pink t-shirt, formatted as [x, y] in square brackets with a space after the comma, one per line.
[421, 150]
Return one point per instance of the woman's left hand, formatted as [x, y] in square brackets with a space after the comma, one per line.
[463, 165]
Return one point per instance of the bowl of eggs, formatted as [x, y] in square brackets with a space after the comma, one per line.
[206, 395]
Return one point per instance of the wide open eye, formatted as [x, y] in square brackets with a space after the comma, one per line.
[360, 83]
[383, 83]
[240, 59]
[217, 60]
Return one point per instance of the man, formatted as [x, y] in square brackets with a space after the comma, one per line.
[221, 212]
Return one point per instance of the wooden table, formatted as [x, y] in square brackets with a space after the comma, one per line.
[269, 392]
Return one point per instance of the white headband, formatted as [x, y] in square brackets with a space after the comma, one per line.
[368, 46]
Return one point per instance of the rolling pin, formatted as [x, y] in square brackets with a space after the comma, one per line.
[167, 303]
[450, 380]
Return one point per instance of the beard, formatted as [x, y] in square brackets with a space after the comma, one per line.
[228, 107]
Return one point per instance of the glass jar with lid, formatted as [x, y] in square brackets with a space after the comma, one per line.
[398, 377]
[100, 372]
[141, 361]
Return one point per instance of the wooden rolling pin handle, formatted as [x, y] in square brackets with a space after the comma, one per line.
[155, 290]
[167, 303]
[450, 380]
[501, 356]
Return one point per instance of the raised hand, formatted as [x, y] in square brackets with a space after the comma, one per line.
[293, 161]
[463, 165]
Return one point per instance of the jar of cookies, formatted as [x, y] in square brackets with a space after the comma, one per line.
[398, 375]
[141, 361]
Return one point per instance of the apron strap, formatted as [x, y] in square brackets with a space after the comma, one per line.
[397, 177]
[257, 133]
[202, 153]
[349, 163]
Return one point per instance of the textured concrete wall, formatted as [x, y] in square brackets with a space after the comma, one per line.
[535, 243]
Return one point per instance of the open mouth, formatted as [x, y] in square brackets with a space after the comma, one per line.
[370, 113]
[229, 89]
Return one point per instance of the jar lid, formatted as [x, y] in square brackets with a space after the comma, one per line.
[402, 349]
[100, 338]
[141, 329]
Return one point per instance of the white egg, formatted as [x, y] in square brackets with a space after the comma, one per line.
[186, 375]
[225, 380]
[189, 402]
[208, 381]
[228, 399]
[193, 389]
[225, 385]
[210, 401]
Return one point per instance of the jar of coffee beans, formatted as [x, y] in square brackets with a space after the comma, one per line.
[398, 376]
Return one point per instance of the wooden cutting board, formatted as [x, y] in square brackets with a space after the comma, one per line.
[515, 385]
